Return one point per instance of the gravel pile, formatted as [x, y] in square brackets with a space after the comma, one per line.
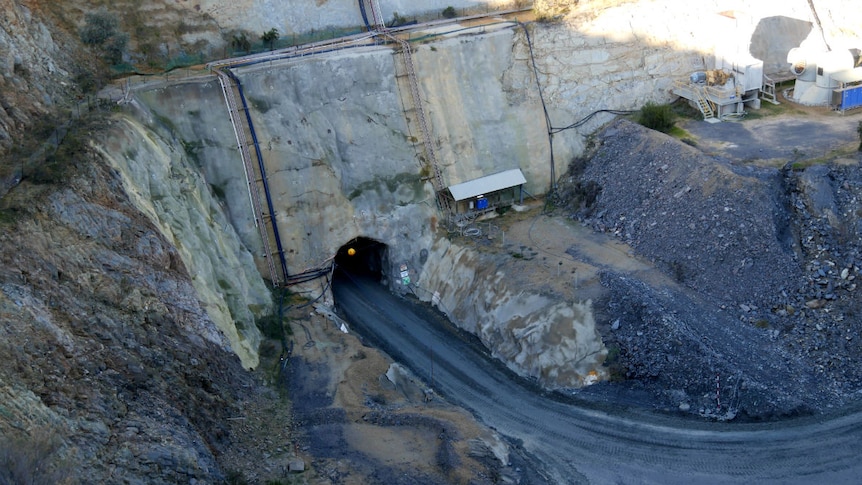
[765, 299]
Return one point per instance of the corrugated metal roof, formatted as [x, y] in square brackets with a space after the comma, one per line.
[487, 184]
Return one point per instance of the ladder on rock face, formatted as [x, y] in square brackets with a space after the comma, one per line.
[376, 15]
[430, 156]
[377, 27]
[252, 176]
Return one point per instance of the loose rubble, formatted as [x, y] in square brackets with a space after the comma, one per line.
[765, 306]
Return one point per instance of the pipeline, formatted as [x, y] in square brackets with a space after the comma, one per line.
[550, 126]
[364, 15]
[583, 120]
[269, 205]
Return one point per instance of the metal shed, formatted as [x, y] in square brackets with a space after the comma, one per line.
[489, 192]
[848, 95]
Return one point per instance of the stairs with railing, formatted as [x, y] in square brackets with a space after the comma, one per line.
[705, 108]
[430, 155]
[253, 176]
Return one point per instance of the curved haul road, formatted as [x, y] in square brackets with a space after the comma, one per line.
[586, 443]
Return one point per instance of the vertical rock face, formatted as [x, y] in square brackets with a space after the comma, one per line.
[299, 16]
[340, 162]
[165, 186]
[339, 141]
[483, 104]
[553, 341]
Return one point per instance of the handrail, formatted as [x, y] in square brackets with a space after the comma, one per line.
[251, 184]
[262, 168]
[229, 81]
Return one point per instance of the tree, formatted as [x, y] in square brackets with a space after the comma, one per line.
[449, 12]
[269, 37]
[240, 42]
[99, 26]
[100, 29]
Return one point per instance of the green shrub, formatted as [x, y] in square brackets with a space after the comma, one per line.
[99, 26]
[397, 20]
[100, 30]
[271, 326]
[269, 37]
[657, 117]
[449, 12]
[235, 477]
[240, 42]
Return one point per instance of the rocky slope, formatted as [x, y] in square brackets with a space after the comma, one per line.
[764, 261]
[107, 349]
[115, 367]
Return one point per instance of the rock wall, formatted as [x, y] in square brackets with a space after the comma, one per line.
[164, 184]
[482, 101]
[341, 158]
[556, 342]
[34, 71]
[298, 16]
[112, 368]
[618, 55]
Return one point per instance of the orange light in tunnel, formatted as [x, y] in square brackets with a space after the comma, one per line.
[351, 252]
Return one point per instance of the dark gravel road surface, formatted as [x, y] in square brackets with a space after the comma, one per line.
[573, 441]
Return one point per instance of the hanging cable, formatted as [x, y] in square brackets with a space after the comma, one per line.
[590, 116]
[553, 184]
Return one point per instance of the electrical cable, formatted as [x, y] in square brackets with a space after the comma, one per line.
[553, 185]
[590, 116]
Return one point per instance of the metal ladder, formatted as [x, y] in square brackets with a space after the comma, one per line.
[430, 155]
[704, 106]
[252, 177]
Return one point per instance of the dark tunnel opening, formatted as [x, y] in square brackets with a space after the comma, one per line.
[362, 257]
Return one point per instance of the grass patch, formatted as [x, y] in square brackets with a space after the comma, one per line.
[10, 216]
[768, 109]
[613, 362]
[271, 326]
[659, 117]
[29, 459]
[71, 151]
[679, 133]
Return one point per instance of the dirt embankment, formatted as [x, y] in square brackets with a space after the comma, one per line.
[759, 316]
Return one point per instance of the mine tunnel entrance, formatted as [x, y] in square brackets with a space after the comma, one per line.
[362, 257]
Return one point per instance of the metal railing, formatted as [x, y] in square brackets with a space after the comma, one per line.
[249, 171]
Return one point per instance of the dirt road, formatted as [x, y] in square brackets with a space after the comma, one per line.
[581, 442]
